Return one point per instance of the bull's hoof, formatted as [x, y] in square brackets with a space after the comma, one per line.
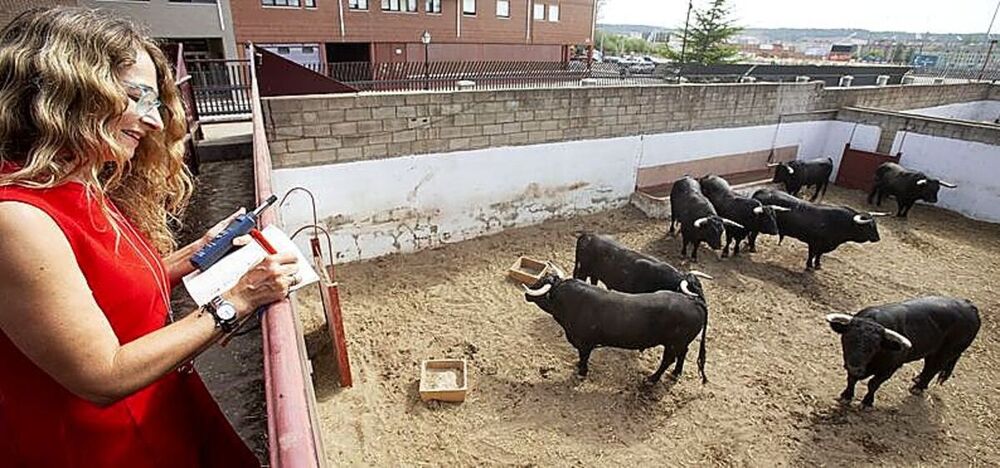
[867, 407]
[916, 391]
[725, 253]
[752, 249]
[818, 267]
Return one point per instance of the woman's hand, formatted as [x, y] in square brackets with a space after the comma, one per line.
[265, 283]
[215, 230]
[179, 264]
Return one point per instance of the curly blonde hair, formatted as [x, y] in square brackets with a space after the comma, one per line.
[59, 100]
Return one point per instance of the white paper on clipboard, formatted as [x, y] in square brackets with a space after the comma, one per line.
[221, 277]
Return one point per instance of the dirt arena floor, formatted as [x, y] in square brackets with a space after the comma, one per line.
[774, 366]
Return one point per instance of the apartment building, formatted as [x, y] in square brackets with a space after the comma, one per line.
[204, 26]
[11, 8]
[312, 31]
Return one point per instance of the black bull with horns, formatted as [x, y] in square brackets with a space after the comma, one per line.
[601, 258]
[594, 317]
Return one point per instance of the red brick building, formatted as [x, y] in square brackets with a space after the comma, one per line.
[390, 30]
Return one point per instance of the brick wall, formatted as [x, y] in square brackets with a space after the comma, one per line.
[901, 97]
[314, 130]
[305, 131]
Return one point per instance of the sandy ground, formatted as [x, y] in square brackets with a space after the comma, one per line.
[774, 366]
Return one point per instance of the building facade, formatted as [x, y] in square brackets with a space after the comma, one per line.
[204, 26]
[315, 31]
[11, 8]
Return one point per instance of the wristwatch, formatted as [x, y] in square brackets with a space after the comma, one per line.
[224, 313]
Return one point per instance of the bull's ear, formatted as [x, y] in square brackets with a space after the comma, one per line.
[839, 322]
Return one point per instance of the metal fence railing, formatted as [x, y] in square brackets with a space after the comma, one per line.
[403, 76]
[990, 74]
[221, 87]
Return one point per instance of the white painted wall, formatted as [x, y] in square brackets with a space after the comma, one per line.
[837, 134]
[979, 111]
[410, 203]
[973, 166]
[816, 139]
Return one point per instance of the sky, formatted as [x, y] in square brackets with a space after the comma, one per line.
[935, 16]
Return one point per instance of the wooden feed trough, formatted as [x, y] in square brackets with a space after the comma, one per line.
[443, 379]
[527, 270]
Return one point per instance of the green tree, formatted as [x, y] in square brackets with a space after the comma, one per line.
[708, 36]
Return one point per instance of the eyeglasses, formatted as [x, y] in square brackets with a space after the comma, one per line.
[147, 100]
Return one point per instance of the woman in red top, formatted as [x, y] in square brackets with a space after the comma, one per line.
[91, 169]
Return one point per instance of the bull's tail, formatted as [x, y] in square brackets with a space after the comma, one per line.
[701, 350]
[945, 372]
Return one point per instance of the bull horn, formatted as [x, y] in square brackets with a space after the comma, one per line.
[876, 214]
[861, 220]
[947, 184]
[842, 319]
[773, 164]
[780, 208]
[685, 290]
[758, 210]
[732, 223]
[922, 182]
[790, 170]
[902, 340]
[538, 292]
[698, 222]
[701, 275]
[559, 272]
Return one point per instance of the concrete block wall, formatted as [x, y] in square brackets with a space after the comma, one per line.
[902, 97]
[328, 129]
[892, 123]
[318, 130]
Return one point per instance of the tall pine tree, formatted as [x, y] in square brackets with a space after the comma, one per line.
[707, 37]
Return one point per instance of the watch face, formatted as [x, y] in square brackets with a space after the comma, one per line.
[226, 312]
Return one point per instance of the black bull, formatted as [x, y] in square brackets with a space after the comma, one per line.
[879, 340]
[823, 228]
[798, 174]
[593, 317]
[906, 186]
[600, 257]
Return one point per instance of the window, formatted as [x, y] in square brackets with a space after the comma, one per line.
[553, 13]
[539, 12]
[308, 49]
[398, 5]
[284, 50]
[503, 8]
[190, 1]
[433, 6]
[310, 3]
[469, 7]
[357, 4]
[284, 3]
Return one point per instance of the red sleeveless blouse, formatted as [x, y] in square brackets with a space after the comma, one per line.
[173, 422]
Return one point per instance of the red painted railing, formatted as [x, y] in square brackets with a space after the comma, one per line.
[292, 433]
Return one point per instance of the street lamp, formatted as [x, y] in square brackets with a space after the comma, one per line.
[426, 39]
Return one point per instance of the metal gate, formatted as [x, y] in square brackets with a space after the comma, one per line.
[857, 167]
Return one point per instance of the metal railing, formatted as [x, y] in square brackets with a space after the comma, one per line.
[990, 74]
[293, 437]
[221, 87]
[438, 76]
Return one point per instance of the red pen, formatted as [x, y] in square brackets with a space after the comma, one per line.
[262, 241]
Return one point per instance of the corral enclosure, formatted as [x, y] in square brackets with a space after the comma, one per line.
[774, 365]
[435, 172]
